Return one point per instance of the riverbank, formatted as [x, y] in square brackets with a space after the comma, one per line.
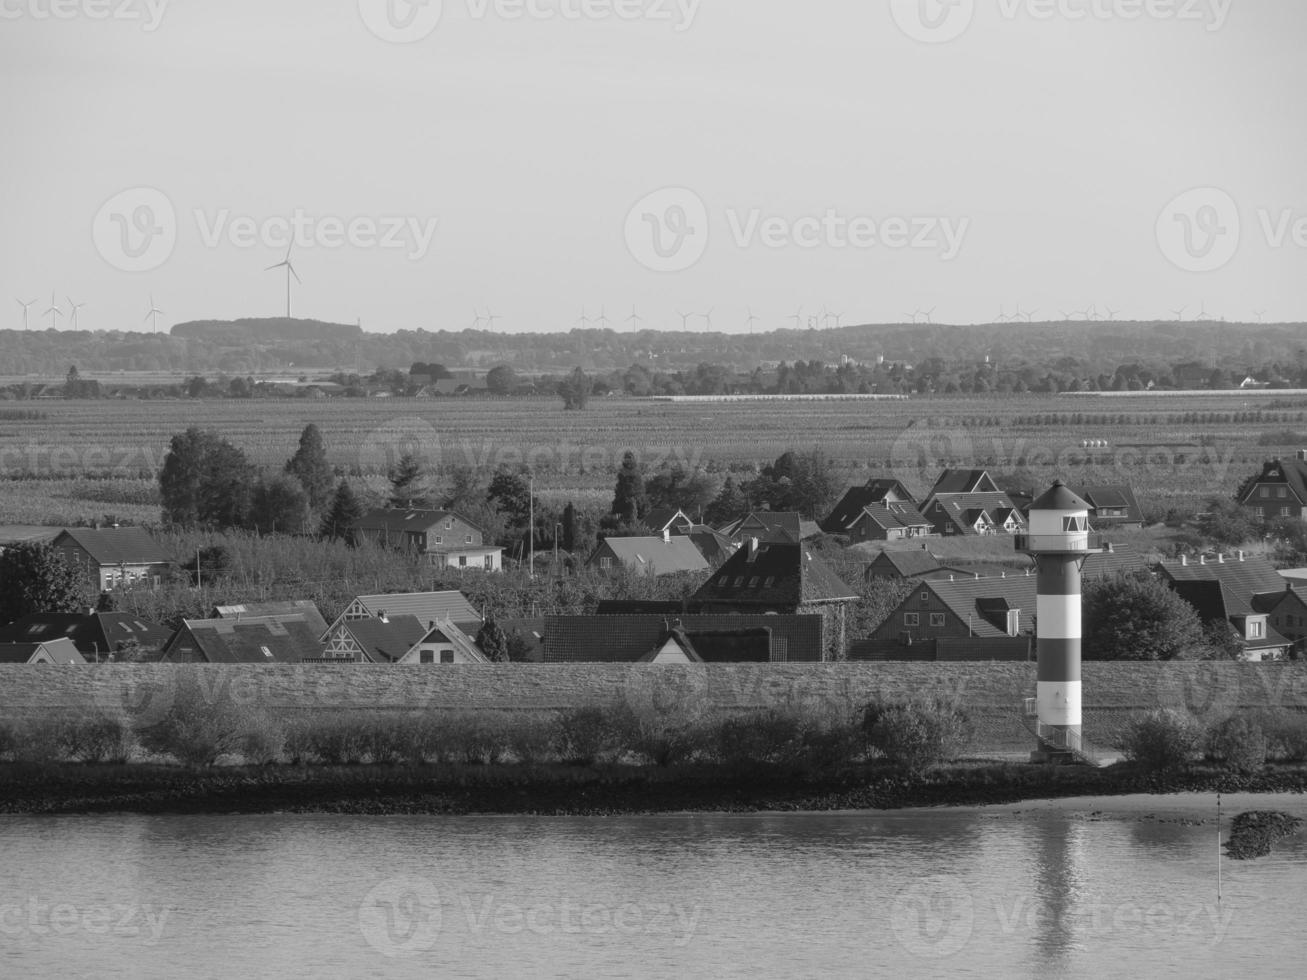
[581, 791]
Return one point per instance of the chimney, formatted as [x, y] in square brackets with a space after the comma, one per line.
[382, 616]
[1184, 561]
[1302, 455]
[1202, 559]
[1220, 559]
[1241, 556]
[667, 535]
[753, 549]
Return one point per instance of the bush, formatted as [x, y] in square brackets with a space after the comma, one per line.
[1286, 735]
[762, 738]
[298, 745]
[263, 741]
[584, 735]
[8, 739]
[662, 739]
[918, 735]
[473, 738]
[339, 740]
[1162, 741]
[387, 738]
[198, 728]
[99, 739]
[1238, 743]
[532, 737]
[40, 741]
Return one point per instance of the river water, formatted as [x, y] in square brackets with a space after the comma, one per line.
[984, 893]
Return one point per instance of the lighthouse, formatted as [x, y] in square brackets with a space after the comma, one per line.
[1059, 541]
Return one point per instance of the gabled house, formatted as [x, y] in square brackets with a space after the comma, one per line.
[917, 564]
[382, 639]
[445, 538]
[969, 502]
[781, 577]
[256, 640]
[768, 525]
[1112, 507]
[883, 510]
[667, 554]
[293, 607]
[684, 638]
[1280, 490]
[60, 651]
[444, 643]
[712, 544]
[96, 635]
[114, 556]
[1227, 589]
[429, 608]
[667, 519]
[1287, 612]
[963, 619]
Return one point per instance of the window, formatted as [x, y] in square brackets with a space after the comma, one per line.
[490, 562]
[1286, 511]
[462, 561]
[1259, 511]
[1073, 524]
[439, 539]
[925, 597]
[911, 619]
[468, 539]
[605, 563]
[1266, 491]
[446, 656]
[753, 582]
[1282, 492]
[427, 656]
[1014, 622]
[771, 580]
[937, 620]
[1254, 630]
[449, 525]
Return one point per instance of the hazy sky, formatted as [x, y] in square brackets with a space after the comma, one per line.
[851, 154]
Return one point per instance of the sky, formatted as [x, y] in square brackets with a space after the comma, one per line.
[543, 160]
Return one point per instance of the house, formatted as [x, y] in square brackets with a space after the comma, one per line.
[1287, 611]
[959, 619]
[712, 544]
[664, 555]
[380, 639]
[970, 502]
[293, 607]
[781, 577]
[114, 556]
[445, 538]
[916, 564]
[1280, 490]
[883, 510]
[60, 651]
[1112, 506]
[1227, 589]
[444, 643]
[768, 525]
[429, 608]
[667, 519]
[684, 638]
[96, 635]
[256, 640]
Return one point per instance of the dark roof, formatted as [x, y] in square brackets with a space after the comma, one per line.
[1214, 602]
[91, 633]
[386, 641]
[1104, 564]
[735, 646]
[868, 502]
[1242, 577]
[965, 509]
[60, 650]
[985, 601]
[712, 544]
[292, 607]
[884, 486]
[780, 576]
[767, 525]
[664, 517]
[1116, 497]
[904, 564]
[642, 607]
[531, 630]
[406, 519]
[654, 555]
[429, 607]
[1292, 472]
[117, 545]
[284, 639]
[963, 481]
[626, 639]
[1059, 497]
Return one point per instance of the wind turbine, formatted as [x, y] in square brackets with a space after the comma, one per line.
[708, 318]
[603, 320]
[477, 319]
[1203, 316]
[585, 319]
[490, 319]
[290, 271]
[26, 306]
[1016, 317]
[72, 311]
[837, 317]
[53, 311]
[1030, 315]
[1002, 316]
[1069, 316]
[1112, 314]
[1179, 314]
[685, 320]
[1259, 314]
[797, 317]
[635, 318]
[914, 314]
[928, 314]
[153, 315]
[750, 320]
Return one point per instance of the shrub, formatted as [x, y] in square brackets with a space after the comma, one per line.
[198, 728]
[387, 738]
[338, 740]
[40, 741]
[662, 739]
[298, 745]
[1238, 743]
[584, 735]
[99, 739]
[532, 737]
[473, 738]
[761, 738]
[1162, 741]
[1286, 735]
[917, 735]
[8, 739]
[263, 740]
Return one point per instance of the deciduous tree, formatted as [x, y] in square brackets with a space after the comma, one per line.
[34, 578]
[309, 465]
[1136, 617]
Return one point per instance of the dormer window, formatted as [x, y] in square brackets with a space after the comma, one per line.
[1013, 622]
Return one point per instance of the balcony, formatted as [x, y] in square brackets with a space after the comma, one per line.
[1071, 543]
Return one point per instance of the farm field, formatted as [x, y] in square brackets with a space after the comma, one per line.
[62, 460]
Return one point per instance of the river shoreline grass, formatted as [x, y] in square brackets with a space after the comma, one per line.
[556, 790]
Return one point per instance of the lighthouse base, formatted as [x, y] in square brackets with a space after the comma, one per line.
[1045, 756]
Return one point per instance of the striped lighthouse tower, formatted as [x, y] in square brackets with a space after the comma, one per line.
[1058, 539]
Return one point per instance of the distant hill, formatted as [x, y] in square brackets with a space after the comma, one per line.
[269, 329]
